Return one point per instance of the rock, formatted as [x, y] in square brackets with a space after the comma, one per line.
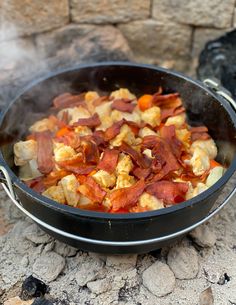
[206, 297]
[30, 17]
[203, 236]
[112, 11]
[213, 13]
[159, 279]
[63, 249]
[88, 271]
[183, 261]
[77, 43]
[202, 36]
[48, 266]
[121, 261]
[100, 286]
[36, 235]
[17, 301]
[168, 40]
[33, 287]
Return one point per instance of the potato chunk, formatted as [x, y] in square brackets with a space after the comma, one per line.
[200, 161]
[70, 185]
[63, 152]
[152, 116]
[124, 180]
[104, 178]
[177, 120]
[208, 146]
[25, 151]
[123, 93]
[56, 193]
[215, 174]
[124, 165]
[150, 202]
[125, 135]
[42, 125]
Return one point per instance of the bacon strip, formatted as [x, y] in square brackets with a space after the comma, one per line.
[170, 192]
[149, 142]
[113, 131]
[36, 184]
[126, 197]
[54, 177]
[140, 173]
[168, 134]
[199, 133]
[168, 112]
[80, 169]
[171, 100]
[123, 105]
[70, 139]
[90, 152]
[109, 160]
[199, 129]
[44, 152]
[93, 121]
[92, 190]
[137, 158]
[67, 100]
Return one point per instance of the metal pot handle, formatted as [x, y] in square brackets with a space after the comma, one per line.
[215, 85]
[9, 190]
[6, 181]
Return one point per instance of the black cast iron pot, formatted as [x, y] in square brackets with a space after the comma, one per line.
[117, 233]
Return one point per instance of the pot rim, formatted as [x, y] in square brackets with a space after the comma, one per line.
[120, 216]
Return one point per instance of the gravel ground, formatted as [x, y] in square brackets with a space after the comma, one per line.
[199, 270]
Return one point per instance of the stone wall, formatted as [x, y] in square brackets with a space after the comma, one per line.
[60, 33]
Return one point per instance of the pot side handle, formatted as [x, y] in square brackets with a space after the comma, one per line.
[215, 86]
[6, 180]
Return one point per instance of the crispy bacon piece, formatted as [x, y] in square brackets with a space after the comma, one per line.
[168, 112]
[134, 126]
[44, 152]
[199, 129]
[199, 133]
[54, 177]
[137, 158]
[58, 123]
[98, 137]
[149, 142]
[140, 173]
[93, 121]
[80, 168]
[123, 105]
[92, 190]
[171, 100]
[109, 160]
[166, 158]
[36, 184]
[67, 100]
[126, 197]
[168, 134]
[113, 131]
[170, 192]
[90, 152]
[70, 139]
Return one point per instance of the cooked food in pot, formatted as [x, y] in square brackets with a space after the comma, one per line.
[118, 153]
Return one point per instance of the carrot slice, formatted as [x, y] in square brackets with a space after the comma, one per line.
[63, 131]
[214, 163]
[145, 102]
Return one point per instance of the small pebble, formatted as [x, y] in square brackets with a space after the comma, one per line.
[159, 279]
[36, 235]
[64, 250]
[183, 261]
[100, 286]
[48, 266]
[121, 261]
[206, 297]
[203, 236]
[88, 271]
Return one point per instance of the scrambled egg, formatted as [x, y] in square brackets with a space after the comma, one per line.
[215, 174]
[75, 114]
[124, 180]
[55, 193]
[177, 120]
[145, 131]
[104, 178]
[63, 152]
[208, 146]
[25, 151]
[200, 161]
[152, 116]
[125, 135]
[123, 93]
[118, 115]
[42, 125]
[150, 202]
[124, 165]
[70, 185]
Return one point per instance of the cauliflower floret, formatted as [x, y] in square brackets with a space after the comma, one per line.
[124, 165]
[75, 114]
[200, 161]
[177, 120]
[148, 153]
[25, 151]
[208, 146]
[123, 93]
[150, 202]
[117, 115]
[143, 132]
[104, 109]
[201, 187]
[124, 180]
[55, 193]
[42, 125]
[125, 135]
[152, 116]
[70, 185]
[104, 178]
[184, 136]
[106, 122]
[83, 130]
[215, 174]
[29, 170]
[63, 152]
